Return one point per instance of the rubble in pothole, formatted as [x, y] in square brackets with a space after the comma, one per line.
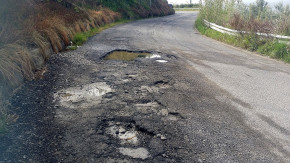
[126, 136]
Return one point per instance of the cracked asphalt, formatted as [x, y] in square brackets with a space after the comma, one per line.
[197, 100]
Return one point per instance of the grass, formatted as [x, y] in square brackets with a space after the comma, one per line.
[265, 46]
[81, 37]
[186, 9]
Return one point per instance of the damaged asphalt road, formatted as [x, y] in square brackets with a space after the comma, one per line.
[170, 108]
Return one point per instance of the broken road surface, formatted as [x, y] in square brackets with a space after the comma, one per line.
[193, 100]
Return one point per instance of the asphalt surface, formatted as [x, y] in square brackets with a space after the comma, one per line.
[197, 100]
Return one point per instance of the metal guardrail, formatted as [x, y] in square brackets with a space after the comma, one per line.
[235, 32]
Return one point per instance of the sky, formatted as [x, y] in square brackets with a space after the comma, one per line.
[272, 2]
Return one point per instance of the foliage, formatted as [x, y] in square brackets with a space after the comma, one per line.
[256, 17]
[265, 46]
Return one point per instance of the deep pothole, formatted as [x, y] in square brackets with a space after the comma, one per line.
[125, 132]
[125, 55]
[130, 139]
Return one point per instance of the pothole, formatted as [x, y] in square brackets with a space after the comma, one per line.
[126, 55]
[161, 84]
[126, 134]
[124, 130]
[82, 97]
[174, 116]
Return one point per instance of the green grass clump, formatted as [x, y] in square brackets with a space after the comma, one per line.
[265, 46]
[80, 38]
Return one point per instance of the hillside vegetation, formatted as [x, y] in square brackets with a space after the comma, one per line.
[32, 30]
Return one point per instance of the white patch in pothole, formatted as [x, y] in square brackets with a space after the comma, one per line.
[141, 153]
[82, 97]
[126, 137]
[161, 61]
[154, 56]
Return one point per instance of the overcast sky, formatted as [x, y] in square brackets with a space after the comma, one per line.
[247, 1]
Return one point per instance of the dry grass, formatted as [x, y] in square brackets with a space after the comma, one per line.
[14, 61]
[49, 26]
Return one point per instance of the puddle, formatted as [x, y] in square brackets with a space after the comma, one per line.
[141, 153]
[161, 61]
[126, 55]
[82, 97]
